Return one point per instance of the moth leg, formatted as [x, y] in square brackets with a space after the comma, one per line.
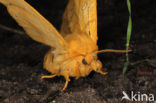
[48, 76]
[66, 76]
[101, 72]
[77, 71]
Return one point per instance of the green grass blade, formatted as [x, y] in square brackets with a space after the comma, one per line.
[129, 31]
[129, 6]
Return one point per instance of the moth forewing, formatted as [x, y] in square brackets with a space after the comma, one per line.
[35, 25]
[80, 16]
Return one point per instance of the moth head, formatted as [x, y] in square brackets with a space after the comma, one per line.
[86, 63]
[92, 60]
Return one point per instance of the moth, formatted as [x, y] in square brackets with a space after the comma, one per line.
[74, 49]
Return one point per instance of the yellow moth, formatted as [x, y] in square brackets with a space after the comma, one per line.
[74, 49]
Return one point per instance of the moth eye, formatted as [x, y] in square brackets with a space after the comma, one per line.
[84, 61]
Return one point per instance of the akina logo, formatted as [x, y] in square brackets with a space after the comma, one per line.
[137, 97]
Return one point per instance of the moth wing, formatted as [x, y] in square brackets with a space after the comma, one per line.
[80, 16]
[35, 25]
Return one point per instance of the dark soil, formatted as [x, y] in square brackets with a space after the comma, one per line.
[21, 59]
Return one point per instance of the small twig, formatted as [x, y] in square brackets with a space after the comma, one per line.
[138, 62]
[11, 30]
